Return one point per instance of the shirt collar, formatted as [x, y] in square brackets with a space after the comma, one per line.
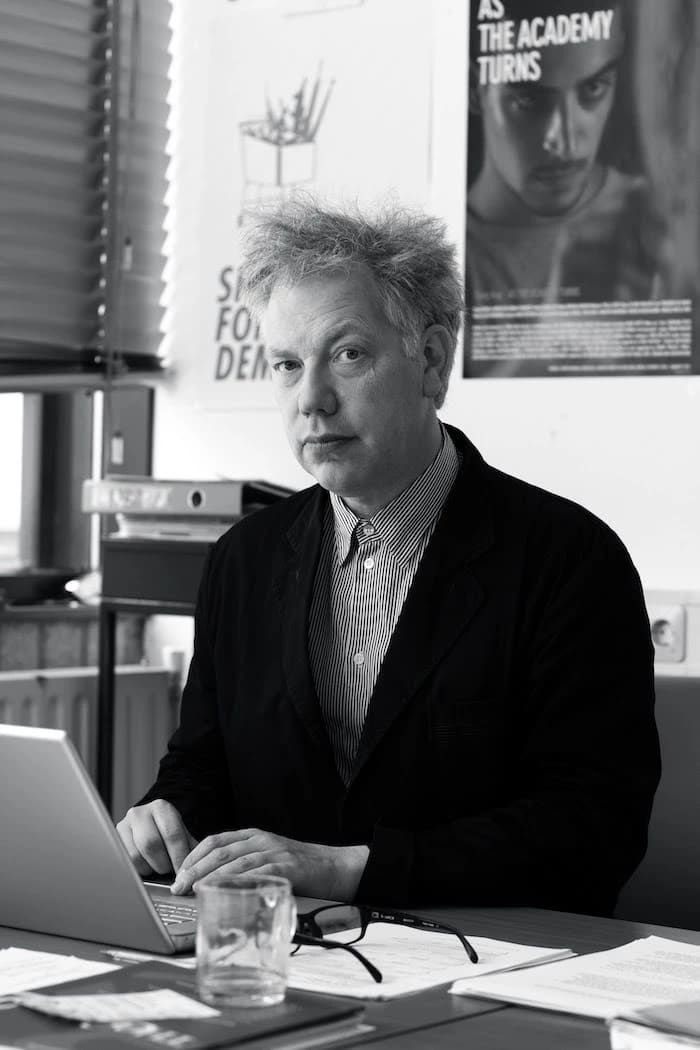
[401, 524]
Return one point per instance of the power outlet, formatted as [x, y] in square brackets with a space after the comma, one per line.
[668, 632]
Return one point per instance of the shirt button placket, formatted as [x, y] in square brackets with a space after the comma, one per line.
[367, 540]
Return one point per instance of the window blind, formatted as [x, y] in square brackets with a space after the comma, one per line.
[83, 179]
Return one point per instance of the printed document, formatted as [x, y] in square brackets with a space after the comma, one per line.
[642, 973]
[672, 1025]
[409, 960]
[155, 1005]
[21, 969]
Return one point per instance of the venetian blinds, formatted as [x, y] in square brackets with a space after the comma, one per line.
[83, 135]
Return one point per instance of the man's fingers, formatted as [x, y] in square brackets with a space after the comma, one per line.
[212, 842]
[173, 835]
[212, 861]
[210, 856]
[148, 841]
[239, 863]
[155, 836]
[142, 867]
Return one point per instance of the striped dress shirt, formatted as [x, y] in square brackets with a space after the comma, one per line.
[364, 573]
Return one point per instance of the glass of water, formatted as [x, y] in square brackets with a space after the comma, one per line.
[245, 926]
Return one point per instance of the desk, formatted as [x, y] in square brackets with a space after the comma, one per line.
[434, 1020]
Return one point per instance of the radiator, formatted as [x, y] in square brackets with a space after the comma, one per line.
[145, 714]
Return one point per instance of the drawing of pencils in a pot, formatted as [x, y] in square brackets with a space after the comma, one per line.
[279, 150]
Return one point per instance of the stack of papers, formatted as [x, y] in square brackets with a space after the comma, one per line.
[658, 1028]
[21, 969]
[158, 1004]
[640, 974]
[409, 960]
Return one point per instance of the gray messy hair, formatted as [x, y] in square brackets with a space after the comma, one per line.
[413, 264]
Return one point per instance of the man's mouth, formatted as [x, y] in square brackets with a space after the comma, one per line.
[319, 440]
[566, 171]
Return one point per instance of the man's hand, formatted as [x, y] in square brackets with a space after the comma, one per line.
[155, 837]
[331, 872]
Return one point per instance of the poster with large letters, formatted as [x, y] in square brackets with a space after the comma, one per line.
[272, 97]
[582, 244]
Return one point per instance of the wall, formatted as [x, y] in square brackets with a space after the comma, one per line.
[625, 448]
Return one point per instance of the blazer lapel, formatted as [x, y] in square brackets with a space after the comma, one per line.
[442, 600]
[293, 586]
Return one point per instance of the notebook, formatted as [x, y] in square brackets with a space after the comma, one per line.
[303, 1020]
[64, 867]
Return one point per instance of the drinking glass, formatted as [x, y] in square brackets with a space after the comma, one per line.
[245, 926]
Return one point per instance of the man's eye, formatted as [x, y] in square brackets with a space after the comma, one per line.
[596, 89]
[522, 101]
[348, 355]
[285, 366]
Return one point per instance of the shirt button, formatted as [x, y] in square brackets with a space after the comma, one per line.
[358, 659]
[368, 563]
[369, 530]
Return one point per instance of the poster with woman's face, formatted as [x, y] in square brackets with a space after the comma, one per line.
[582, 235]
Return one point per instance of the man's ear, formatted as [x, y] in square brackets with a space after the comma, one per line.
[437, 348]
[474, 96]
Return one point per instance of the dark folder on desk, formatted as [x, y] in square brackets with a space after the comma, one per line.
[264, 1028]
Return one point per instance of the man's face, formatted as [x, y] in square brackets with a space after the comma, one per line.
[353, 404]
[542, 138]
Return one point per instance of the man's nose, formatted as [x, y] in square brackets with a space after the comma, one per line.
[316, 392]
[560, 132]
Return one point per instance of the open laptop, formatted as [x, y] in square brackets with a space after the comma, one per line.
[63, 867]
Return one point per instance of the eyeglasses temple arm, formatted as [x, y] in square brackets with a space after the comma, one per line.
[376, 974]
[469, 948]
[405, 918]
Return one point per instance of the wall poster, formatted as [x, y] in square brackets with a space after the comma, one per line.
[275, 97]
[583, 210]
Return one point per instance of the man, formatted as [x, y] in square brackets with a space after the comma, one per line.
[549, 219]
[420, 680]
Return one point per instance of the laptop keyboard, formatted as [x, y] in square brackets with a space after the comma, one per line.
[173, 912]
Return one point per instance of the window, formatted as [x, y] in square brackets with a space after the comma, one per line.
[11, 407]
[83, 135]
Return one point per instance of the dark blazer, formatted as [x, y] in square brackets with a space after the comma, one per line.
[509, 754]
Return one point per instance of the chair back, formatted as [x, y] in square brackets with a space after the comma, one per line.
[665, 889]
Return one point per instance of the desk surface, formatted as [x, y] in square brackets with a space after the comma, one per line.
[435, 1020]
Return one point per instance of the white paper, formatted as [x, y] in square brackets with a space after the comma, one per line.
[21, 969]
[625, 1036]
[643, 973]
[155, 1005]
[186, 962]
[291, 55]
[409, 961]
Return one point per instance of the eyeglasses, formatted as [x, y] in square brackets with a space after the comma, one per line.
[348, 924]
